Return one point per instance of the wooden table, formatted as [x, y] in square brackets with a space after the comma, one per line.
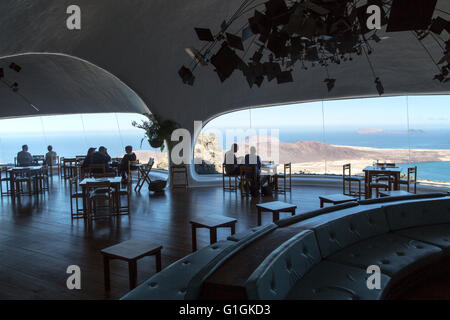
[335, 199]
[12, 170]
[275, 208]
[130, 251]
[397, 193]
[115, 183]
[372, 171]
[211, 222]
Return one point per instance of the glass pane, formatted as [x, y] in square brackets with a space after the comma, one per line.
[430, 137]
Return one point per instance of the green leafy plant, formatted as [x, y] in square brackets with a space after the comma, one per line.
[157, 130]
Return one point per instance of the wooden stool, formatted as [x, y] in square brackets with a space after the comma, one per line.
[211, 222]
[335, 199]
[130, 251]
[275, 207]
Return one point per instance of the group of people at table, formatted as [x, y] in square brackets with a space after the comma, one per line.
[252, 160]
[25, 159]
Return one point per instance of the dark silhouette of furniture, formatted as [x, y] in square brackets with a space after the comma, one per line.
[275, 208]
[336, 199]
[130, 251]
[211, 222]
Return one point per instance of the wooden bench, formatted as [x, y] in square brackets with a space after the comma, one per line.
[130, 251]
[275, 208]
[335, 199]
[211, 222]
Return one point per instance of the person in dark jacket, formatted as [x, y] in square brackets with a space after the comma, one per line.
[230, 161]
[88, 160]
[129, 156]
[102, 157]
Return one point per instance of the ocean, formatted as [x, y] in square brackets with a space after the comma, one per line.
[77, 143]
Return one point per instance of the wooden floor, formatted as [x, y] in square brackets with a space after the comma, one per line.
[38, 240]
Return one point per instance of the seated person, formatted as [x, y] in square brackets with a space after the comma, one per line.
[101, 157]
[129, 156]
[50, 157]
[230, 161]
[87, 161]
[253, 160]
[24, 158]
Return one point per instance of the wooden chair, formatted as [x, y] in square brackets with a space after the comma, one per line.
[348, 179]
[130, 171]
[124, 209]
[411, 179]
[22, 177]
[94, 169]
[231, 177]
[179, 169]
[96, 192]
[286, 176]
[377, 186]
[5, 178]
[75, 195]
[41, 180]
[70, 168]
[54, 164]
[104, 175]
[246, 181]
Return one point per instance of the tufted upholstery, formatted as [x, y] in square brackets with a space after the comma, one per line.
[333, 281]
[438, 235]
[174, 282]
[301, 217]
[342, 232]
[397, 256]
[282, 269]
[252, 233]
[418, 213]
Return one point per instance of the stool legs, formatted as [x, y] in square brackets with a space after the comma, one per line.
[194, 238]
[132, 270]
[106, 273]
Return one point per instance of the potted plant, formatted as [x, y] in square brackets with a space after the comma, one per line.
[158, 132]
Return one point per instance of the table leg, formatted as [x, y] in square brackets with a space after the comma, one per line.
[396, 182]
[194, 238]
[233, 228]
[132, 269]
[212, 235]
[275, 216]
[321, 203]
[158, 261]
[106, 273]
[259, 217]
[293, 212]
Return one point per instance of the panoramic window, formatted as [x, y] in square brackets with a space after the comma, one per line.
[319, 138]
[73, 135]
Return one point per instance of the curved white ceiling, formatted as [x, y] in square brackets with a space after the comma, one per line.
[60, 84]
[142, 43]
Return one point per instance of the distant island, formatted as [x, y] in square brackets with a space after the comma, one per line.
[367, 131]
[307, 157]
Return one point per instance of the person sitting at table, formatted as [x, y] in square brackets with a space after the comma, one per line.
[24, 158]
[253, 160]
[88, 159]
[101, 157]
[230, 161]
[129, 156]
[50, 157]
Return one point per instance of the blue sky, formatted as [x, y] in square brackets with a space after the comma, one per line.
[425, 112]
